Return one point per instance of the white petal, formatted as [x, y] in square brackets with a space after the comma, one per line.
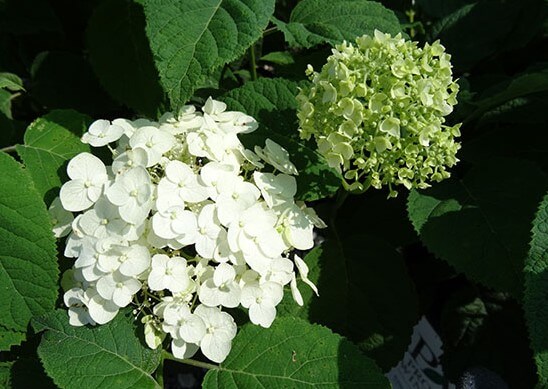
[193, 330]
[61, 218]
[231, 297]
[271, 243]
[153, 337]
[161, 224]
[157, 279]
[122, 297]
[213, 107]
[117, 193]
[250, 294]
[74, 196]
[215, 349]
[262, 314]
[99, 127]
[105, 286]
[138, 261]
[79, 316]
[86, 166]
[224, 273]
[205, 247]
[182, 349]
[297, 296]
[102, 311]
[303, 271]
[209, 294]
[272, 292]
[300, 238]
[133, 212]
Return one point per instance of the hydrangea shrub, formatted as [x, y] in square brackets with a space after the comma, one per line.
[177, 228]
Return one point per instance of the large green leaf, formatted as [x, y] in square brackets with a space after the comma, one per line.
[50, 141]
[294, 354]
[189, 38]
[28, 263]
[121, 56]
[365, 295]
[272, 102]
[481, 224]
[536, 291]
[313, 22]
[108, 356]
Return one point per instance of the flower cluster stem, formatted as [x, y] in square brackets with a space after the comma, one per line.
[191, 362]
[253, 63]
[269, 31]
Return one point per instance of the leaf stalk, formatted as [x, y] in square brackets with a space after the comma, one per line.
[8, 149]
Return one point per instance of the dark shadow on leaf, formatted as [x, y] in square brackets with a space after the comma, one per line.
[357, 371]
[367, 296]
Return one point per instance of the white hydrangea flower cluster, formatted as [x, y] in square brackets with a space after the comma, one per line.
[377, 112]
[182, 225]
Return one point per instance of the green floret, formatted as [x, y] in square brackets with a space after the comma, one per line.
[376, 111]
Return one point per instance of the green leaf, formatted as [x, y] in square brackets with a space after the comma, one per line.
[50, 141]
[480, 224]
[10, 129]
[11, 81]
[28, 263]
[294, 354]
[536, 291]
[279, 57]
[498, 126]
[5, 374]
[5, 103]
[121, 57]
[272, 102]
[66, 80]
[189, 38]
[313, 22]
[10, 338]
[365, 295]
[107, 356]
[522, 85]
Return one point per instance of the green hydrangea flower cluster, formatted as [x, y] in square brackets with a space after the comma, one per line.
[376, 111]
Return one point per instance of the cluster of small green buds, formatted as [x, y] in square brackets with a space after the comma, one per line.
[376, 111]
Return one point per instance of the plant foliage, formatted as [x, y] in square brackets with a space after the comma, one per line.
[468, 252]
